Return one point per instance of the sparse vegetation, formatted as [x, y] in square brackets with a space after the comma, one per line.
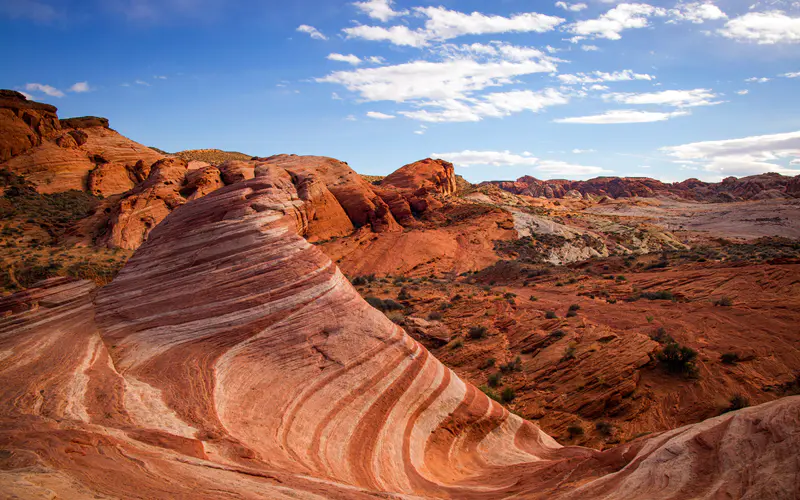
[435, 316]
[604, 428]
[384, 305]
[404, 294]
[477, 332]
[678, 359]
[550, 315]
[729, 358]
[508, 395]
[737, 402]
[569, 353]
[512, 366]
[495, 379]
[575, 430]
[488, 363]
[724, 302]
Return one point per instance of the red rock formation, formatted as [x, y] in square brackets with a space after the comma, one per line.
[24, 124]
[232, 359]
[434, 176]
[764, 186]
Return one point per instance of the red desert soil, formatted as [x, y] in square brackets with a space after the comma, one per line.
[232, 359]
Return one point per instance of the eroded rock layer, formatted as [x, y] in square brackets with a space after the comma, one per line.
[232, 359]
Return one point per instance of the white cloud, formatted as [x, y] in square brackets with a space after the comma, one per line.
[743, 92]
[336, 97]
[791, 75]
[697, 12]
[159, 77]
[349, 58]
[572, 7]
[765, 28]
[434, 80]
[622, 17]
[677, 98]
[756, 79]
[45, 89]
[379, 116]
[397, 35]
[444, 24]
[312, 32]
[142, 82]
[599, 76]
[744, 156]
[379, 9]
[351, 118]
[598, 87]
[590, 48]
[419, 132]
[80, 87]
[375, 59]
[468, 158]
[622, 116]
[582, 151]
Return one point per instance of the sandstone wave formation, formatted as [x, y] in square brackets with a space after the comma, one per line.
[232, 359]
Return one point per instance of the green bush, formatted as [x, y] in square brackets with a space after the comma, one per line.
[477, 332]
[404, 294]
[384, 305]
[678, 359]
[574, 307]
[729, 358]
[575, 430]
[495, 379]
[604, 428]
[488, 363]
[508, 395]
[659, 295]
[550, 315]
[737, 402]
[512, 366]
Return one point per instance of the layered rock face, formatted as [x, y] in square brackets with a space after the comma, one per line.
[756, 187]
[416, 188]
[24, 124]
[75, 153]
[232, 359]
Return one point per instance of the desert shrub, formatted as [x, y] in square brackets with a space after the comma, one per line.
[737, 402]
[649, 318]
[575, 430]
[572, 314]
[550, 315]
[457, 344]
[509, 295]
[495, 379]
[508, 395]
[558, 334]
[455, 298]
[574, 307]
[435, 316]
[533, 299]
[622, 278]
[729, 358]
[477, 332]
[512, 366]
[659, 295]
[604, 428]
[678, 359]
[488, 363]
[404, 294]
[359, 281]
[569, 353]
[724, 302]
[489, 392]
[661, 336]
[384, 305]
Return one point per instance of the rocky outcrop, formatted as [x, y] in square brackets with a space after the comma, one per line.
[24, 124]
[84, 122]
[764, 186]
[232, 359]
[417, 188]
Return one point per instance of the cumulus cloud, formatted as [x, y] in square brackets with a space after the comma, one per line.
[743, 92]
[449, 79]
[494, 105]
[756, 79]
[697, 12]
[379, 116]
[578, 151]
[442, 24]
[744, 156]
[45, 89]
[312, 32]
[766, 28]
[572, 7]
[590, 48]
[142, 82]
[80, 87]
[791, 75]
[379, 9]
[622, 116]
[600, 76]
[397, 35]
[677, 98]
[349, 58]
[468, 158]
[622, 17]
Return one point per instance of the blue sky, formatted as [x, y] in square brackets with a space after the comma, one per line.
[502, 88]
